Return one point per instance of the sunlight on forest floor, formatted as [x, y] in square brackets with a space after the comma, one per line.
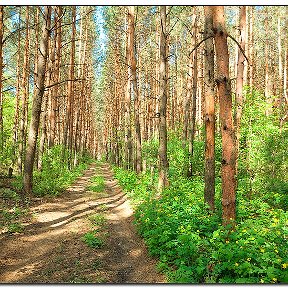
[51, 250]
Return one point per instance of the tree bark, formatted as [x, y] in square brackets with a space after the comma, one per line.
[1, 73]
[68, 130]
[267, 80]
[194, 101]
[163, 161]
[36, 104]
[56, 77]
[251, 71]
[133, 63]
[239, 80]
[227, 129]
[209, 106]
[128, 133]
[16, 115]
[25, 92]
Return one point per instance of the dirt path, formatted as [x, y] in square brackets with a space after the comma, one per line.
[51, 250]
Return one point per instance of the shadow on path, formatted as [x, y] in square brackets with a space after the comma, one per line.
[51, 251]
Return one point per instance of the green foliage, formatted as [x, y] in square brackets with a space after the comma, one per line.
[6, 155]
[9, 194]
[97, 185]
[92, 240]
[10, 218]
[55, 177]
[263, 157]
[139, 187]
[97, 219]
[15, 228]
[192, 246]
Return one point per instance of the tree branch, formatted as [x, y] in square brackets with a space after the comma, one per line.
[242, 51]
[196, 46]
[58, 83]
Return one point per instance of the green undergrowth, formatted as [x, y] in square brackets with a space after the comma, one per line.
[192, 246]
[55, 175]
[13, 209]
[92, 241]
[97, 184]
[95, 237]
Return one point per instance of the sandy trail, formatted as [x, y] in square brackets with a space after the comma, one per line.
[51, 250]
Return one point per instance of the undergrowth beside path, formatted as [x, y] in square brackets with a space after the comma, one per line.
[193, 246]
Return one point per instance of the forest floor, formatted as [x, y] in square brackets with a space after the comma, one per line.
[51, 248]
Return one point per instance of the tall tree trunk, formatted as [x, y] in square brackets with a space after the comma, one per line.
[284, 102]
[280, 70]
[239, 80]
[267, 80]
[1, 73]
[24, 91]
[251, 48]
[194, 101]
[163, 161]
[209, 106]
[168, 109]
[16, 115]
[131, 47]
[227, 129]
[128, 133]
[68, 130]
[36, 104]
[56, 76]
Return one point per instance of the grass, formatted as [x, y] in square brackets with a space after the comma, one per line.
[13, 209]
[97, 219]
[97, 184]
[92, 240]
[15, 228]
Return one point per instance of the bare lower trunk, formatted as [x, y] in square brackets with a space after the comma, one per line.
[131, 47]
[239, 81]
[163, 161]
[24, 92]
[209, 106]
[36, 104]
[227, 129]
[194, 103]
[1, 69]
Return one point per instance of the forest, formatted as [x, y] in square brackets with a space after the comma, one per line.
[181, 110]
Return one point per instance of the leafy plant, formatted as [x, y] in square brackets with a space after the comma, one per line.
[97, 219]
[98, 184]
[15, 228]
[92, 240]
[191, 244]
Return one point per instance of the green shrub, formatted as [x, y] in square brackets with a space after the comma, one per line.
[55, 177]
[97, 219]
[9, 194]
[92, 240]
[193, 247]
[15, 228]
[98, 184]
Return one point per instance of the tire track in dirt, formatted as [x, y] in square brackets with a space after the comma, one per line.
[51, 250]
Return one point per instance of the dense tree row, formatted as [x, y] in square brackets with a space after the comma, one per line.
[178, 69]
[169, 70]
[47, 79]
